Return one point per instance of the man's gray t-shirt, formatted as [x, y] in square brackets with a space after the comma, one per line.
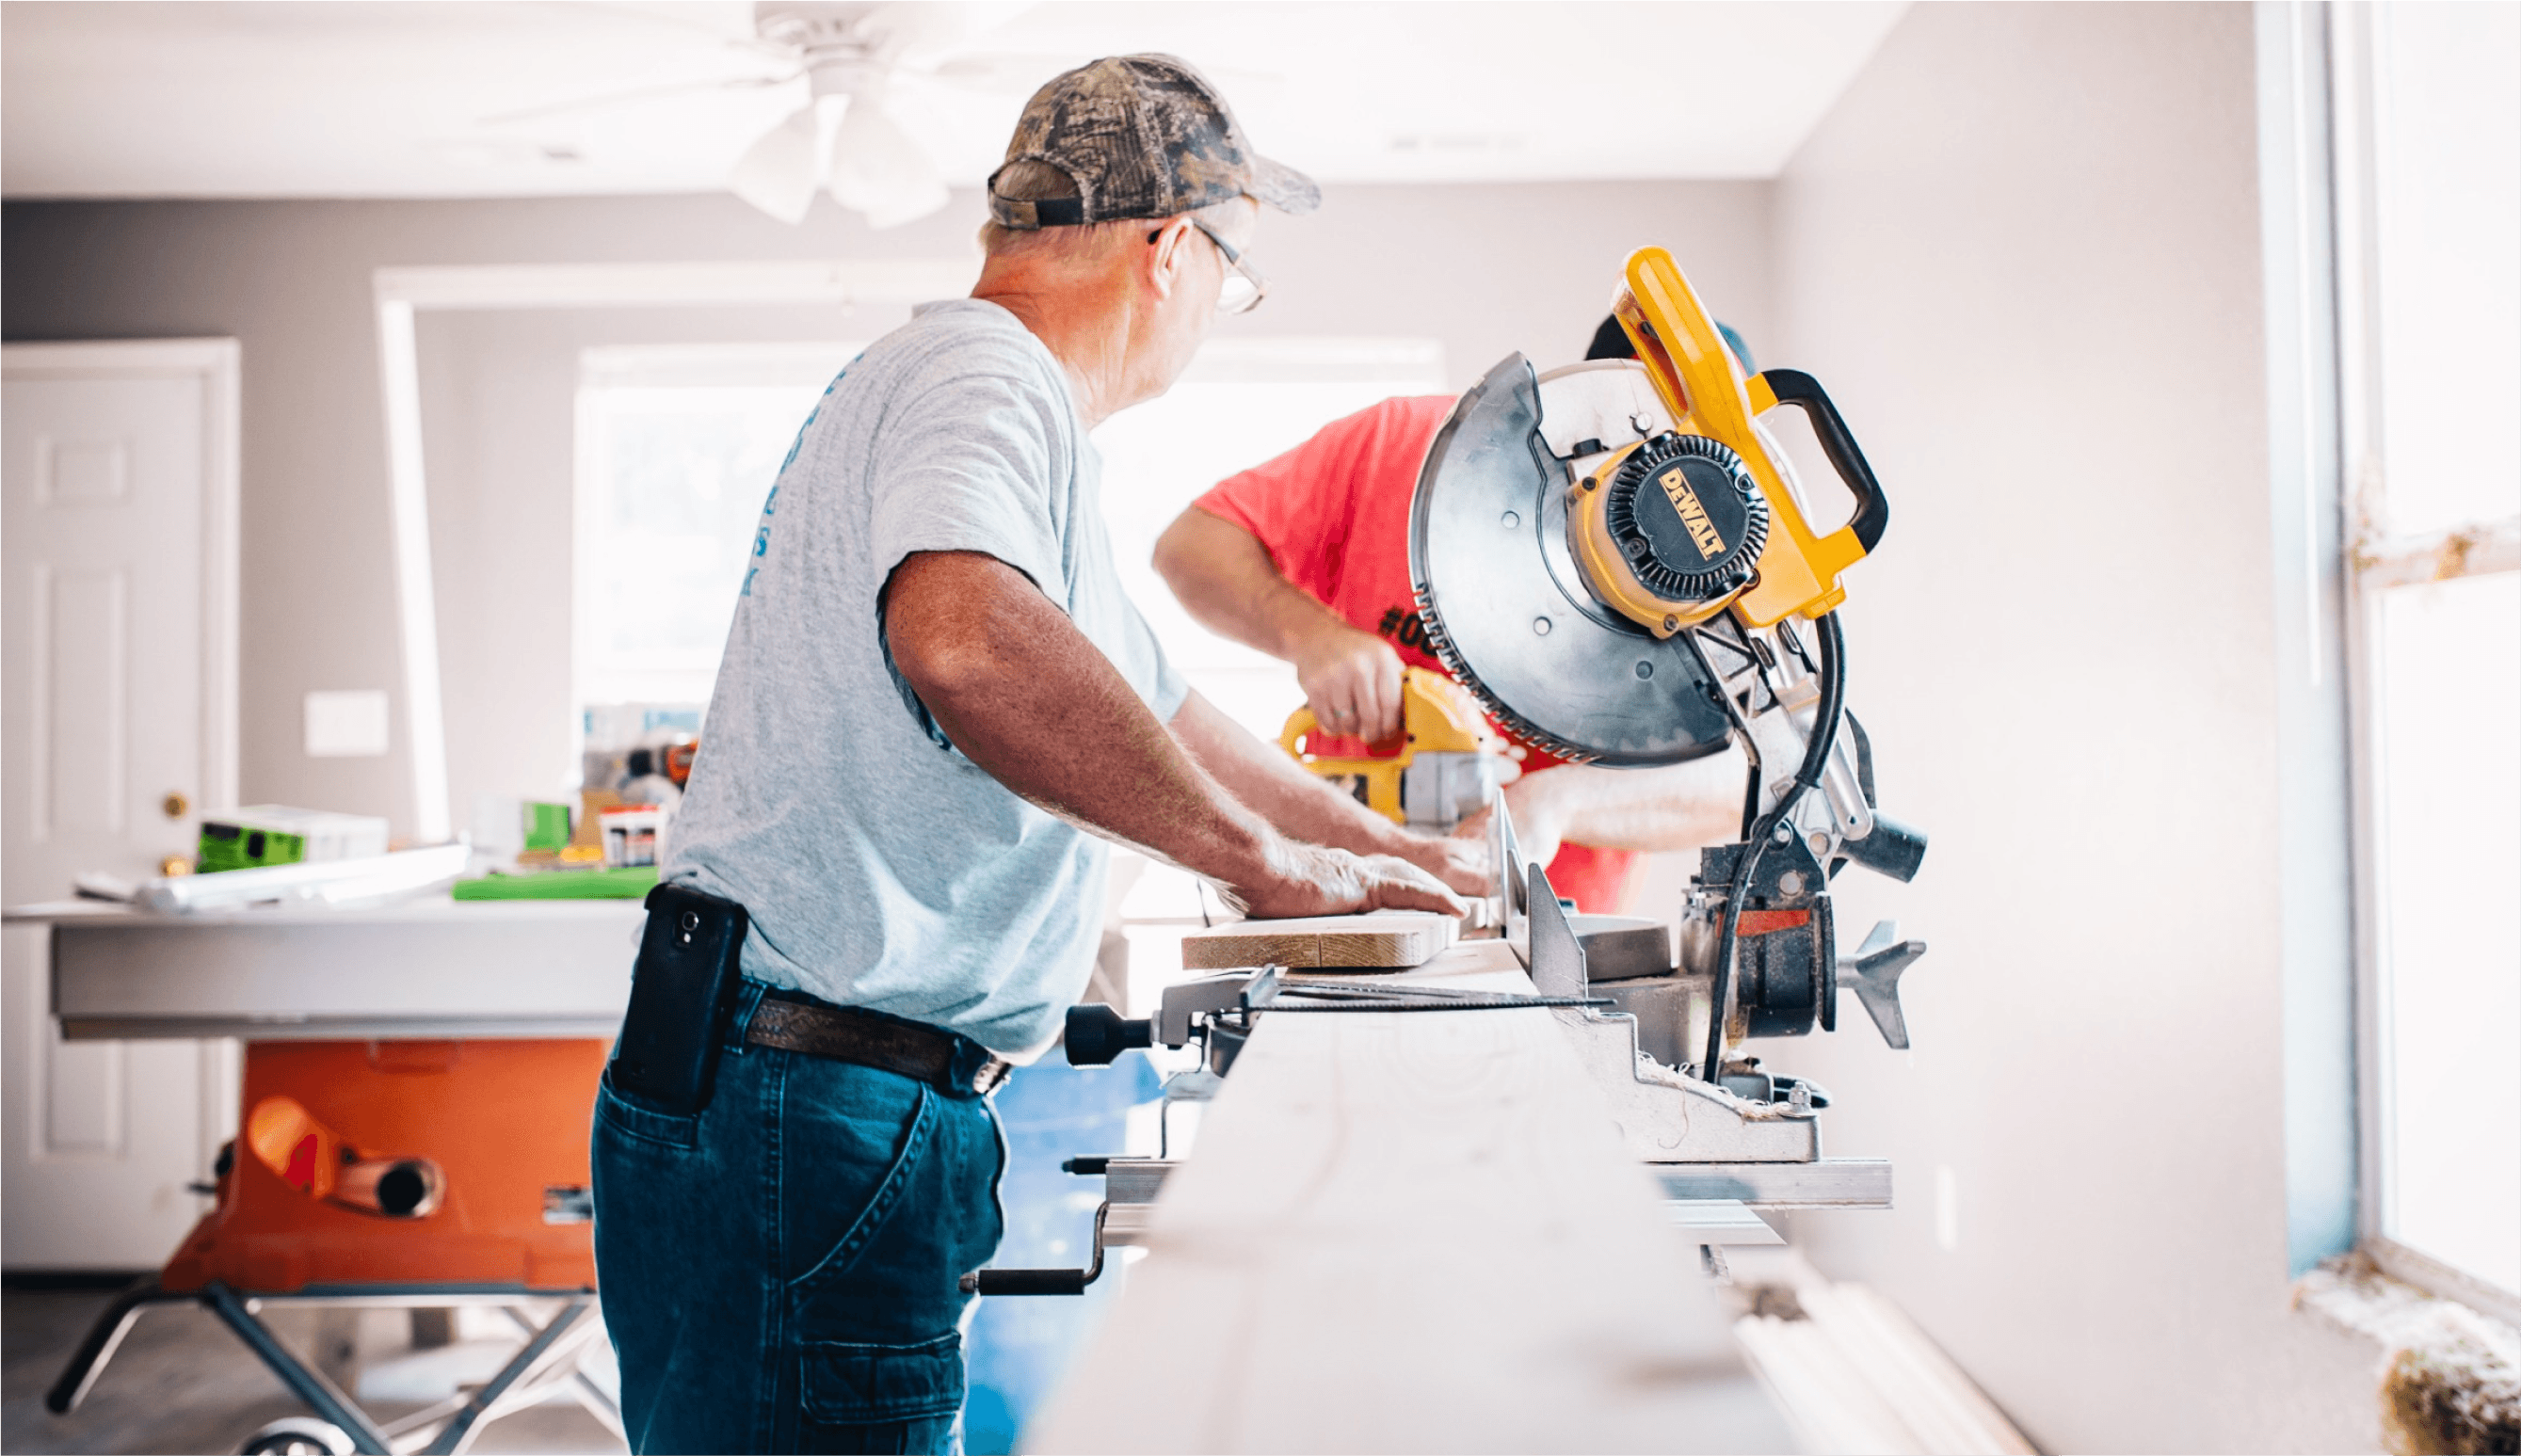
[880, 867]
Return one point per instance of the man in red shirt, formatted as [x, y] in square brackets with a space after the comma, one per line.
[1306, 558]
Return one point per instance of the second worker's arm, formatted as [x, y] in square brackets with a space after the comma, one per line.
[1227, 582]
[1678, 807]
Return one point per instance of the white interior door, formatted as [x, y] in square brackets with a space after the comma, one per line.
[118, 712]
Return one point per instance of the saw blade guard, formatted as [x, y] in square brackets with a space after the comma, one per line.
[1506, 608]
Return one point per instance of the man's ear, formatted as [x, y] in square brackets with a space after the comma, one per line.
[1168, 257]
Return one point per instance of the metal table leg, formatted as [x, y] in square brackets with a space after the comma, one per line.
[87, 1362]
[303, 1380]
[460, 1428]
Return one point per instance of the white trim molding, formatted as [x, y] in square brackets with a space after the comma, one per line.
[401, 293]
[2379, 565]
[2307, 516]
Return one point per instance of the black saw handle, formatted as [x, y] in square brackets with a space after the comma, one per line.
[1802, 392]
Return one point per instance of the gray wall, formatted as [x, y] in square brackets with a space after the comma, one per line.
[1485, 269]
[2024, 252]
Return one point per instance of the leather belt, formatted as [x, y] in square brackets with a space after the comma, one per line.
[845, 1035]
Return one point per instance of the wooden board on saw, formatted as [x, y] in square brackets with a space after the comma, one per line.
[1384, 940]
[1411, 1233]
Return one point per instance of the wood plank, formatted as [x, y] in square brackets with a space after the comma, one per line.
[1412, 1232]
[1387, 940]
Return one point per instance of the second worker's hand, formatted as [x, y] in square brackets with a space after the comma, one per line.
[1310, 880]
[1352, 681]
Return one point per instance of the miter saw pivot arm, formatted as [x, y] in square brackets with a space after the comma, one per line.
[1804, 958]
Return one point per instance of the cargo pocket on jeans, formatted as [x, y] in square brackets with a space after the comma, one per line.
[882, 1397]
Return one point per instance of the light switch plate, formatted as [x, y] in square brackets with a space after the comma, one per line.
[354, 723]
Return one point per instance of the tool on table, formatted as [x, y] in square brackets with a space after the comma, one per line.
[626, 884]
[260, 836]
[496, 1214]
[1612, 557]
[1444, 766]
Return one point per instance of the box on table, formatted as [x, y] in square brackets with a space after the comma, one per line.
[260, 835]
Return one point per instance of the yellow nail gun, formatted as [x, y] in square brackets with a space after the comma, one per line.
[1447, 766]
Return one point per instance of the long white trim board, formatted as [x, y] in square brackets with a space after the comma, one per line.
[1412, 1232]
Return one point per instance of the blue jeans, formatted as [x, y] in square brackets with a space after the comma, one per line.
[779, 1270]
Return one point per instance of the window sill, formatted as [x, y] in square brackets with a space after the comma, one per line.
[2450, 1373]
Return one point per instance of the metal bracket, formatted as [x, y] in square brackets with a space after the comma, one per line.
[1874, 975]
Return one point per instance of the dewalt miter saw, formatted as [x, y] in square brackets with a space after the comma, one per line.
[1615, 558]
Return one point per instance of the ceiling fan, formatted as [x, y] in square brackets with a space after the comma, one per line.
[851, 57]
[855, 57]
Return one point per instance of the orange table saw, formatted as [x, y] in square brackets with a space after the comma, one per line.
[417, 1086]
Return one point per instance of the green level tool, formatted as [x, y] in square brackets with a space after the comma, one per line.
[628, 883]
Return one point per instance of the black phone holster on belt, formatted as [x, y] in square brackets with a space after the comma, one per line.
[681, 990]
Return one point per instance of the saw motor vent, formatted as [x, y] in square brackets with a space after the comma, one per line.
[1685, 514]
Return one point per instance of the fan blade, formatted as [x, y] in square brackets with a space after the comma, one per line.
[777, 172]
[877, 169]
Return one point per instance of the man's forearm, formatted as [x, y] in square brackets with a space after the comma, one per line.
[1298, 803]
[1226, 582]
[1028, 699]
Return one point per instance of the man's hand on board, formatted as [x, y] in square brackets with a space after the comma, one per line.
[1311, 880]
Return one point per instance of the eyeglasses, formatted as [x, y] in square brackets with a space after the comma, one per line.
[1244, 288]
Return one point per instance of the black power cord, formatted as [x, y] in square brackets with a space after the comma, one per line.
[1833, 700]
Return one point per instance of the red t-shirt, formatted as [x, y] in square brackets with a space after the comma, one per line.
[1334, 515]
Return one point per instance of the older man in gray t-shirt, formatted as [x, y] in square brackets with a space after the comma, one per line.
[935, 705]
[883, 868]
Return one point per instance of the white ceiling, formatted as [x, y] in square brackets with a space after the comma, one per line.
[321, 97]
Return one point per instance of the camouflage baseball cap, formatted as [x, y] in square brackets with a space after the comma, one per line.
[1141, 136]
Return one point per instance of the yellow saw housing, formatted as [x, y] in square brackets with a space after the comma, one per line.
[1438, 721]
[1725, 528]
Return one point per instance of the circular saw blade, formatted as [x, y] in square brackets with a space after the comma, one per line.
[1506, 612]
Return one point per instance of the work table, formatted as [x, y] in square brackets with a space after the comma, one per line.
[425, 968]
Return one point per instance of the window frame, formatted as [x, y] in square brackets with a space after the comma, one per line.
[2374, 563]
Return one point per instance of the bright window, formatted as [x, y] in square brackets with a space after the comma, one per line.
[2430, 249]
[677, 447]
[678, 444]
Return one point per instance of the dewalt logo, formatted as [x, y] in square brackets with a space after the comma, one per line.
[1702, 531]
